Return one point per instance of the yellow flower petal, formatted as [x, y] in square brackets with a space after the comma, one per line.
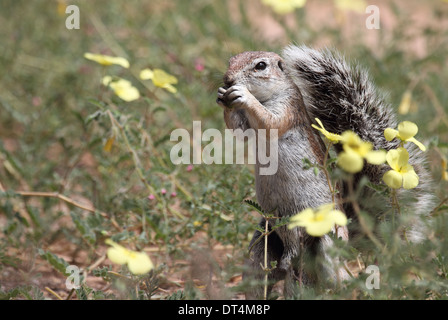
[392, 159]
[402, 173]
[122, 88]
[403, 157]
[117, 253]
[117, 256]
[393, 179]
[170, 88]
[445, 175]
[106, 80]
[109, 143]
[320, 228]
[354, 5]
[405, 104]
[140, 263]
[339, 217]
[406, 130]
[350, 161]
[284, 6]
[319, 222]
[410, 178]
[325, 208]
[444, 167]
[397, 158]
[62, 6]
[127, 93]
[390, 134]
[107, 60]
[333, 137]
[302, 218]
[376, 157]
[352, 142]
[418, 143]
[161, 78]
[146, 74]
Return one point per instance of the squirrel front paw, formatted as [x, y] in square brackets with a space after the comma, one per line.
[221, 100]
[234, 97]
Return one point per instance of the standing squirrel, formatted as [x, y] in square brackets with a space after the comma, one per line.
[263, 90]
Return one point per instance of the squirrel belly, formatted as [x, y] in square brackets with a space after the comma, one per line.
[279, 193]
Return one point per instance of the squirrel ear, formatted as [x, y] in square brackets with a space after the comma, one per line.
[280, 64]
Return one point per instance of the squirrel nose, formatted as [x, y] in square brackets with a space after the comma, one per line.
[228, 81]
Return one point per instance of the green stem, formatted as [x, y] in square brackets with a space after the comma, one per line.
[361, 220]
[137, 167]
[327, 174]
[395, 203]
[135, 158]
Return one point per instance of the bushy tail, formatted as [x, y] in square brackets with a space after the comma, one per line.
[340, 95]
[344, 98]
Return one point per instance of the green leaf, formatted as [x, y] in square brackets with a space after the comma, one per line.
[178, 295]
[58, 264]
[87, 233]
[307, 164]
[94, 116]
[255, 206]
[158, 109]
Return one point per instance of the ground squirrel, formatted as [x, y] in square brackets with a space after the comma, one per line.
[263, 90]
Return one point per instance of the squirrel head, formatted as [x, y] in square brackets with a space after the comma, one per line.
[261, 72]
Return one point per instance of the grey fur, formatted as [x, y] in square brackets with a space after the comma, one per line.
[343, 98]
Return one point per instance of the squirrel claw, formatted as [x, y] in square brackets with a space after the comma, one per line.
[221, 100]
[237, 95]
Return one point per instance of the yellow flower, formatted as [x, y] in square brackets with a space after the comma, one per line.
[355, 151]
[333, 137]
[160, 79]
[107, 60]
[444, 167]
[109, 143]
[138, 262]
[405, 104]
[284, 6]
[61, 7]
[402, 173]
[406, 132]
[197, 223]
[122, 88]
[318, 222]
[354, 5]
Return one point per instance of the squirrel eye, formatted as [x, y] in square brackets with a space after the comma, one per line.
[260, 66]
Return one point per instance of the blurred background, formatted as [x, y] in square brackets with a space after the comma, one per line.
[79, 165]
